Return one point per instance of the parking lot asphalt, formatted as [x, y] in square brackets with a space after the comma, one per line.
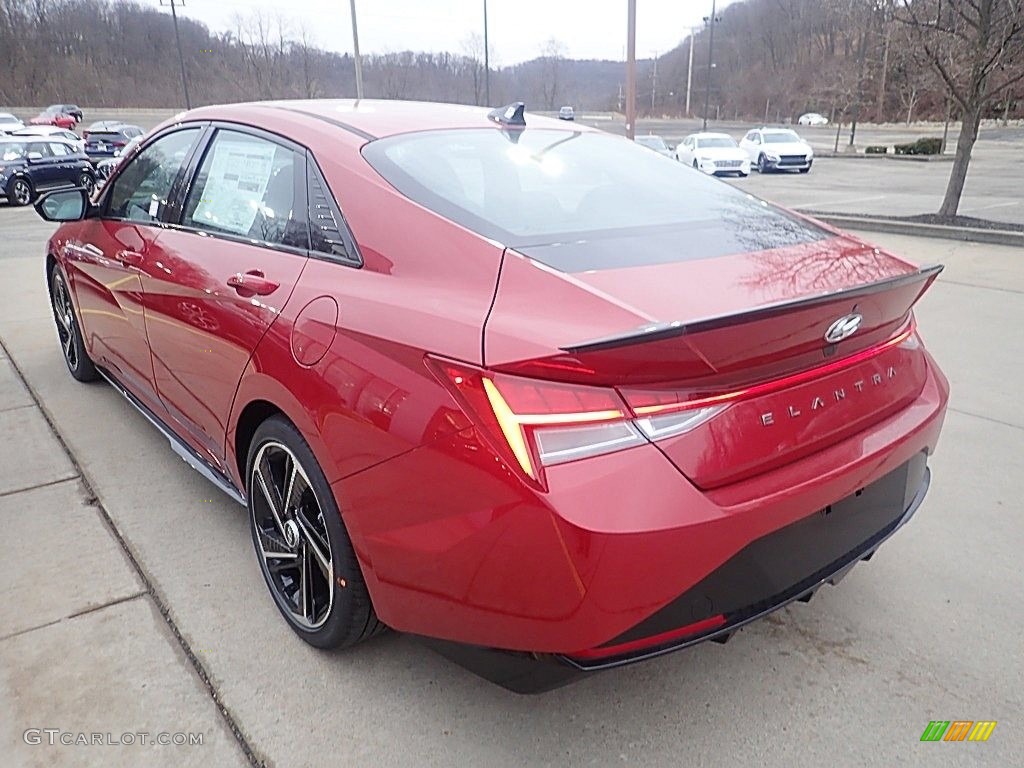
[132, 600]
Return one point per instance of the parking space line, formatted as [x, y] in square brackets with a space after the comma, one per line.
[991, 205]
[820, 203]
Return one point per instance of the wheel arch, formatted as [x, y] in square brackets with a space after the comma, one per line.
[249, 419]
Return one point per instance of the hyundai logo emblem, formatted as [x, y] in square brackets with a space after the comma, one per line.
[845, 326]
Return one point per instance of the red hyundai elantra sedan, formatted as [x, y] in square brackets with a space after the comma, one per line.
[523, 388]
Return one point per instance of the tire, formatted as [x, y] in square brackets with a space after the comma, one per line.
[69, 334]
[762, 164]
[20, 192]
[805, 170]
[695, 166]
[293, 513]
[743, 175]
[87, 181]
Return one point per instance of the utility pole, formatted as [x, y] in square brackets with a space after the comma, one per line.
[355, 49]
[487, 62]
[711, 64]
[654, 81]
[181, 57]
[631, 71]
[689, 74]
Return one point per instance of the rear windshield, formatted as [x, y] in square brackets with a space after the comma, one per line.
[547, 186]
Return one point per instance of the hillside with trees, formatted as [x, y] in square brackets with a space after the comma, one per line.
[776, 59]
[120, 54]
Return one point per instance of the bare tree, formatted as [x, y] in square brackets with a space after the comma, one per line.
[975, 47]
[552, 55]
[473, 48]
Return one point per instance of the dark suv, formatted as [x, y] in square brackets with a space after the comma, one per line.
[105, 138]
[30, 166]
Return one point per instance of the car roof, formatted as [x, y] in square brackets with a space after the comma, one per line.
[42, 130]
[29, 137]
[710, 135]
[371, 119]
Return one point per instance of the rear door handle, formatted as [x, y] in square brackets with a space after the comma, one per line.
[252, 283]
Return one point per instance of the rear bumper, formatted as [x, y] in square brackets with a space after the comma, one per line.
[785, 566]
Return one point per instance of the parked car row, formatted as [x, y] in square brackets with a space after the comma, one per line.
[718, 154]
[47, 153]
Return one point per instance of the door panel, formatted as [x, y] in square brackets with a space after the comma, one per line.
[202, 331]
[43, 170]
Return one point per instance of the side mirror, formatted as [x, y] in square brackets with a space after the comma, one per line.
[34, 156]
[63, 205]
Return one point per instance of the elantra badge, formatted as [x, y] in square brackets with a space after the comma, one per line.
[845, 326]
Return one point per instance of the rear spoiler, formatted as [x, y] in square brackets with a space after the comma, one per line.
[668, 330]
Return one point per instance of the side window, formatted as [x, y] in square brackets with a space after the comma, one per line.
[58, 149]
[757, 138]
[246, 186]
[40, 148]
[141, 191]
[329, 234]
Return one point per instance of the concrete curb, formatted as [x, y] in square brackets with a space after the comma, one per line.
[969, 234]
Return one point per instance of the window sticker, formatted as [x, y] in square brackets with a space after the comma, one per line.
[235, 184]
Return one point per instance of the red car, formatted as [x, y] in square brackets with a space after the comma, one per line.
[518, 386]
[65, 116]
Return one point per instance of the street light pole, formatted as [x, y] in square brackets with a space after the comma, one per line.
[654, 82]
[711, 64]
[181, 57]
[689, 74]
[355, 50]
[631, 71]
[487, 62]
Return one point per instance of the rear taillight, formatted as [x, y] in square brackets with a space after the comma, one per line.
[118, 144]
[85, 135]
[534, 424]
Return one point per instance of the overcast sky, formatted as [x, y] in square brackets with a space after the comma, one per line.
[518, 28]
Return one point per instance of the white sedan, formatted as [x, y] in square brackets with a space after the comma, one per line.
[654, 142]
[9, 123]
[813, 118]
[52, 131]
[713, 153]
[777, 149]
